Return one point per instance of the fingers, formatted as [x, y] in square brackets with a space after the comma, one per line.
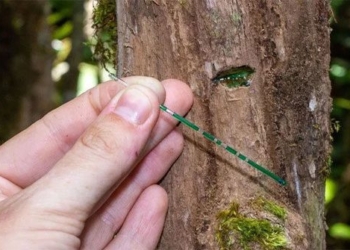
[7, 189]
[39, 147]
[144, 224]
[42, 144]
[102, 157]
[179, 99]
[101, 228]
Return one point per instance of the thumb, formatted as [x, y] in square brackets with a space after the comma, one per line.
[104, 155]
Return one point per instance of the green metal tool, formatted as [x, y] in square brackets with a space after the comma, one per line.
[212, 138]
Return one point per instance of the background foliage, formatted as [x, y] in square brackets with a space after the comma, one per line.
[74, 70]
[338, 184]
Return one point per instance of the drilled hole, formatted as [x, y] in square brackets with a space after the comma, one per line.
[235, 77]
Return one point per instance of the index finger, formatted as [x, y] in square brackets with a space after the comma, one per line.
[29, 155]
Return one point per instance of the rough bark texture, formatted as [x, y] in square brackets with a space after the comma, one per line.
[26, 87]
[281, 120]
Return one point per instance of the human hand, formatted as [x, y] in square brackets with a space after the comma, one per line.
[88, 170]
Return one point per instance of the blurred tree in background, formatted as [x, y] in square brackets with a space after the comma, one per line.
[46, 58]
[338, 184]
[26, 58]
[67, 21]
[45, 61]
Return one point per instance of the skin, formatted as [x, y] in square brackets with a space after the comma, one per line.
[85, 175]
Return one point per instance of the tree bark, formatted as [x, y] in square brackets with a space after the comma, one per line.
[281, 120]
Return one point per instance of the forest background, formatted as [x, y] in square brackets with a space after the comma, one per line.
[58, 34]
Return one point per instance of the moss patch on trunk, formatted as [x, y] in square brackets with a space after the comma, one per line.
[105, 36]
[237, 229]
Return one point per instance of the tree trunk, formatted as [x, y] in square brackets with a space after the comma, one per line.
[68, 82]
[26, 87]
[281, 120]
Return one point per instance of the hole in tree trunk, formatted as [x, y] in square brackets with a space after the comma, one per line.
[234, 77]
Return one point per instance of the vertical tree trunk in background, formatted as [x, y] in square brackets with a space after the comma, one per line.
[68, 86]
[281, 120]
[26, 87]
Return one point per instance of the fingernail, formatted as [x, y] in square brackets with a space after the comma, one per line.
[133, 106]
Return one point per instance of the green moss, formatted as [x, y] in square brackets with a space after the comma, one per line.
[335, 126]
[182, 2]
[236, 18]
[234, 77]
[235, 229]
[326, 170]
[270, 207]
[105, 36]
